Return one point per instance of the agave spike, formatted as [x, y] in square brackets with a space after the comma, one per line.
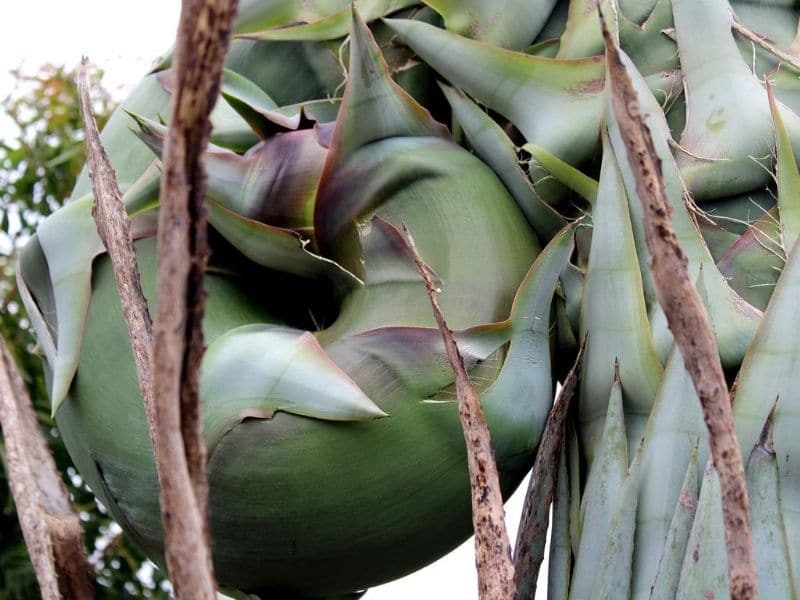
[602, 496]
[675, 425]
[560, 559]
[704, 573]
[788, 177]
[613, 579]
[769, 535]
[667, 578]
[619, 327]
[769, 371]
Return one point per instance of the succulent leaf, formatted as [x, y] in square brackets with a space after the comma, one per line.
[667, 578]
[704, 573]
[493, 146]
[512, 24]
[602, 496]
[253, 371]
[614, 315]
[531, 91]
[769, 536]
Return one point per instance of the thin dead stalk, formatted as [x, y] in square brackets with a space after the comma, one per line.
[688, 322]
[492, 548]
[51, 528]
[203, 38]
[529, 549]
[114, 229]
[760, 40]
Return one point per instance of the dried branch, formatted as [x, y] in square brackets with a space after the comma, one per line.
[114, 228]
[529, 550]
[52, 530]
[492, 548]
[760, 40]
[687, 320]
[203, 38]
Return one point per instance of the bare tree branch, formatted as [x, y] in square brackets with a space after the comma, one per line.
[529, 549]
[492, 548]
[203, 38]
[52, 530]
[114, 228]
[687, 320]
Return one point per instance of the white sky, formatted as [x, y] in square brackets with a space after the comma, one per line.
[124, 38]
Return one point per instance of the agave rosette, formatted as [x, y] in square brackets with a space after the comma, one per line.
[336, 460]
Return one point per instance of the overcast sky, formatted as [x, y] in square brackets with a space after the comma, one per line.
[124, 38]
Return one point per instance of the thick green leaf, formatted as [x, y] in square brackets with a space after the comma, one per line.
[704, 573]
[770, 370]
[319, 27]
[728, 119]
[275, 182]
[754, 262]
[666, 582]
[492, 145]
[527, 368]
[788, 177]
[253, 371]
[613, 579]
[512, 24]
[555, 103]
[276, 248]
[414, 358]
[571, 177]
[582, 36]
[602, 495]
[69, 243]
[674, 428]
[766, 520]
[614, 315]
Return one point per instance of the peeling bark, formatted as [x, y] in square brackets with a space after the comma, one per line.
[492, 548]
[688, 322]
[51, 528]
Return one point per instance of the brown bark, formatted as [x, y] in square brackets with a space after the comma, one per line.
[529, 549]
[688, 321]
[203, 38]
[114, 228]
[492, 548]
[51, 528]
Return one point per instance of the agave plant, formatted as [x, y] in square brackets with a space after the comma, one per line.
[336, 459]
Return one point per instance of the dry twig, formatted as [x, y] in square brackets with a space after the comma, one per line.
[114, 228]
[757, 38]
[687, 320]
[51, 528]
[529, 549]
[492, 548]
[203, 38]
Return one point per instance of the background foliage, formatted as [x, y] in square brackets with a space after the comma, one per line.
[38, 167]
